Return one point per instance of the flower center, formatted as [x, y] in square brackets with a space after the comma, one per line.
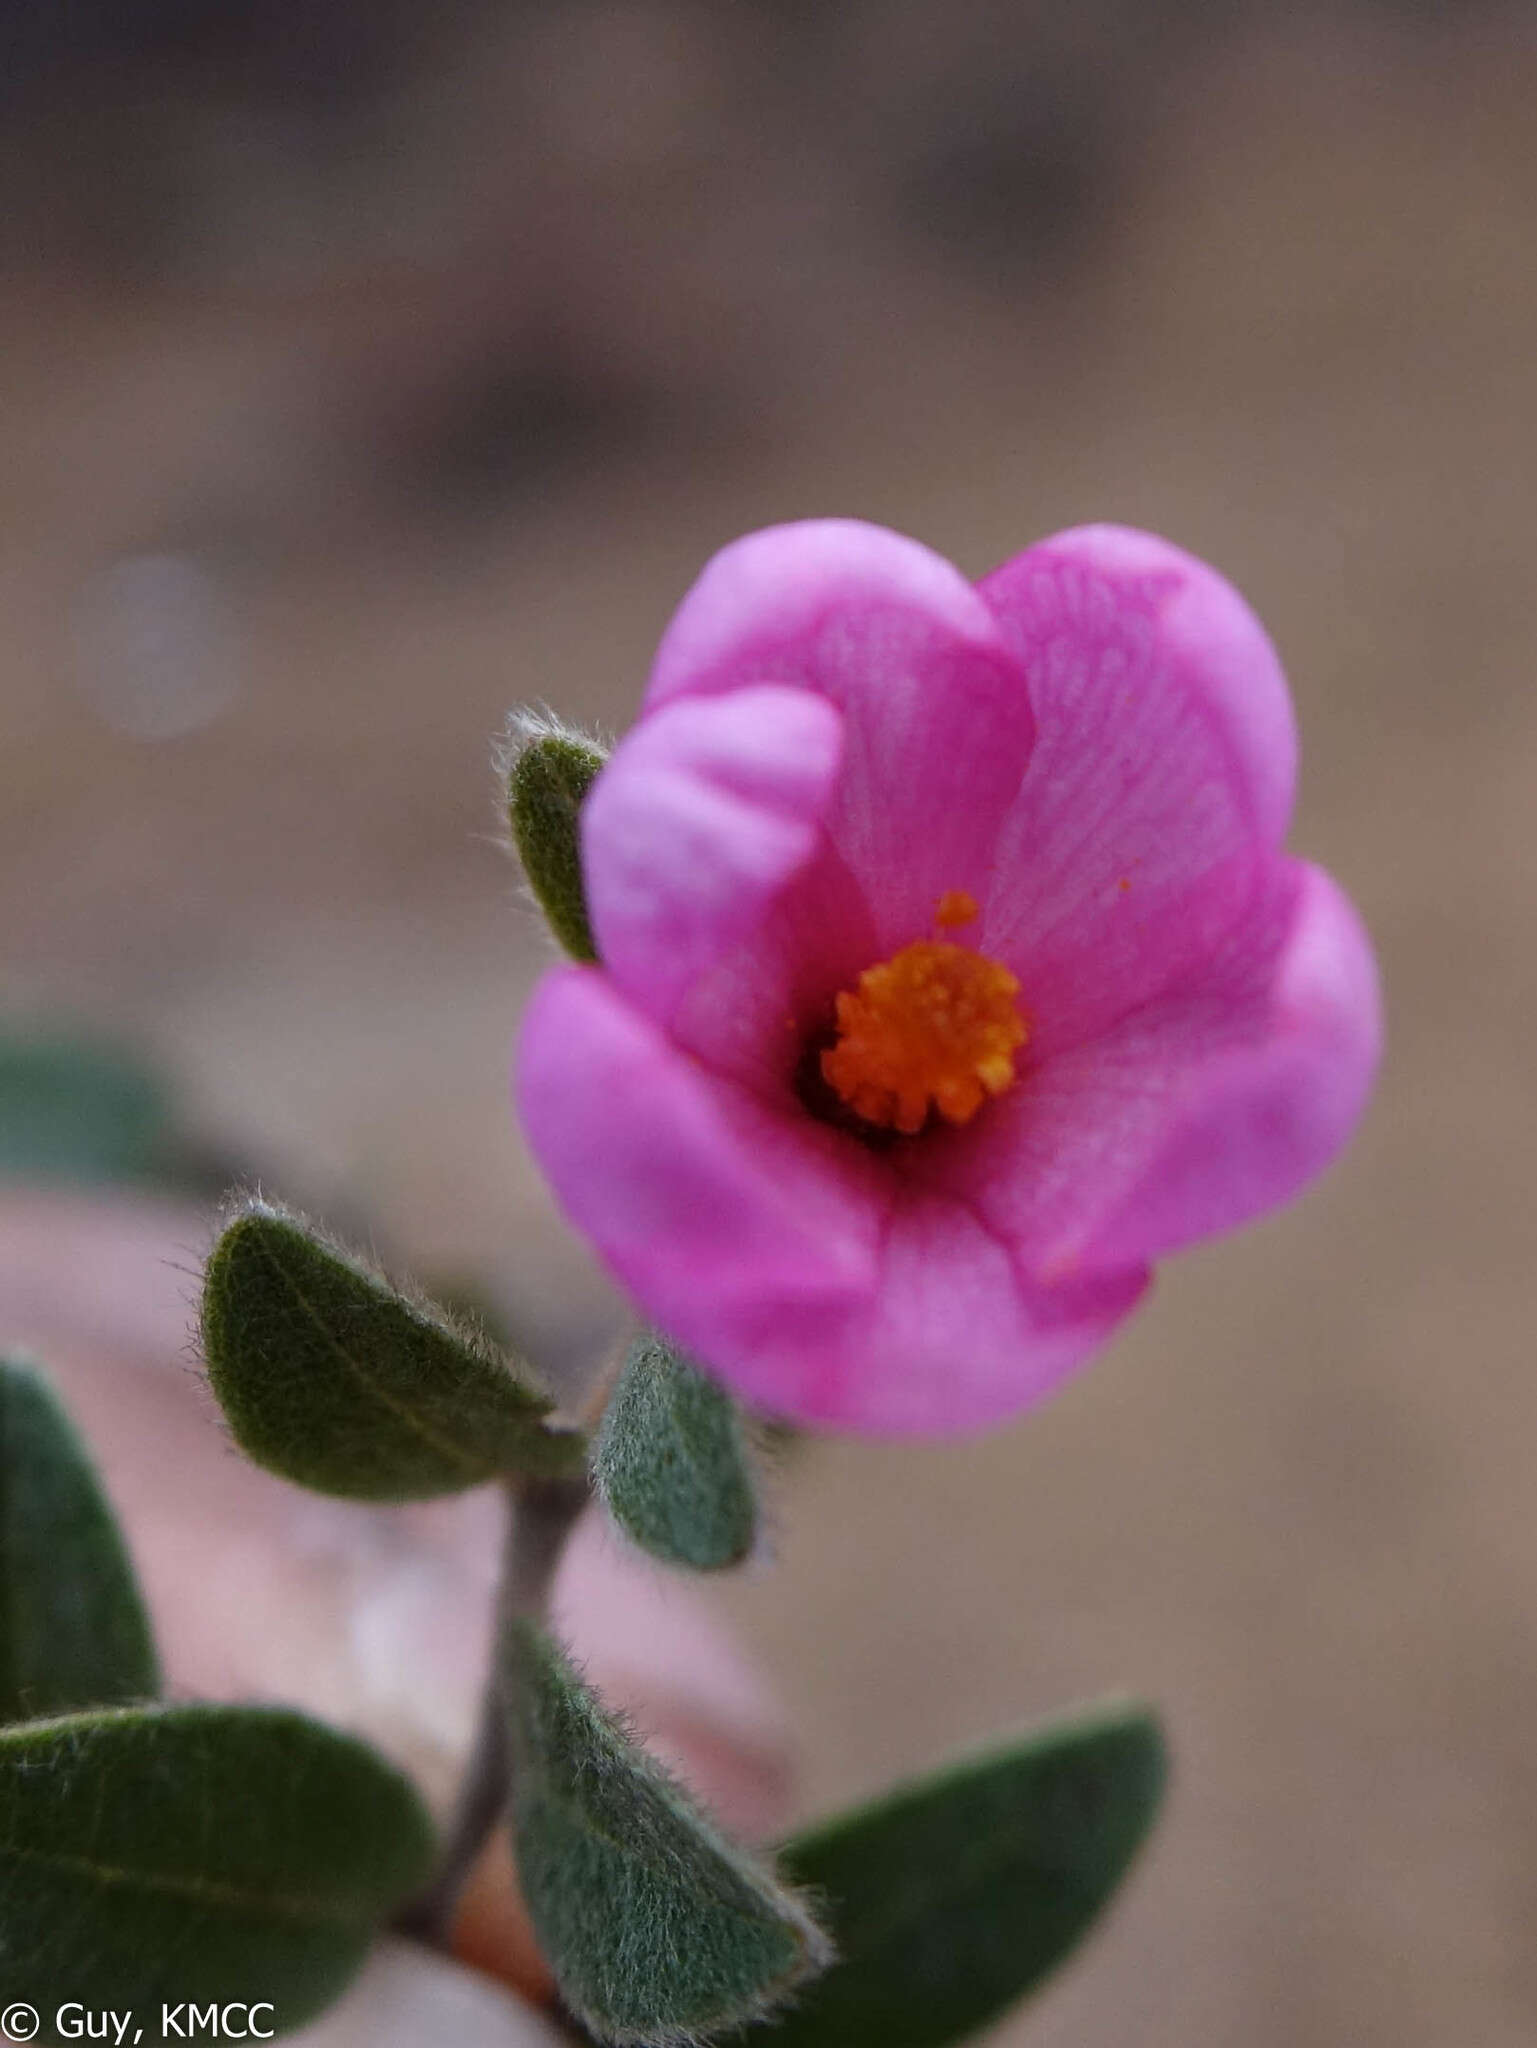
[935, 1027]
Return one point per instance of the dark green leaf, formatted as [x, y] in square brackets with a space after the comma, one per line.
[73, 1631]
[952, 1897]
[549, 771]
[332, 1378]
[153, 1855]
[72, 1109]
[658, 1929]
[672, 1464]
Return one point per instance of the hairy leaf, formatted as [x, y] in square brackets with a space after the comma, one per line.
[331, 1377]
[153, 1855]
[671, 1462]
[658, 1928]
[73, 1631]
[954, 1896]
[549, 771]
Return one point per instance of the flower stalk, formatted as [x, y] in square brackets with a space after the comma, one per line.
[540, 1516]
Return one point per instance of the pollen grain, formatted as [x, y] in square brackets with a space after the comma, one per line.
[956, 907]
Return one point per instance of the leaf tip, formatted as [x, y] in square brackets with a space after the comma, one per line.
[546, 769]
[661, 1931]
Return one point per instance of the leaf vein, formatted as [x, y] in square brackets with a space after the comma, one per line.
[200, 1890]
[400, 1409]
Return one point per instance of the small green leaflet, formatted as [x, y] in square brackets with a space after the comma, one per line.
[954, 1896]
[671, 1463]
[549, 771]
[332, 1378]
[659, 1930]
[73, 1631]
[151, 1855]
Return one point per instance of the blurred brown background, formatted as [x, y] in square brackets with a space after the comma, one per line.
[363, 378]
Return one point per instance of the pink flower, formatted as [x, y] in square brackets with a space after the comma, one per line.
[953, 970]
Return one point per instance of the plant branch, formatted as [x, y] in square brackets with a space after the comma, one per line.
[540, 1517]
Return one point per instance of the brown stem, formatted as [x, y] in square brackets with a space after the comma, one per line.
[540, 1517]
[544, 1514]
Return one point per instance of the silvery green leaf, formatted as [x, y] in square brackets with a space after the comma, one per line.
[954, 1896]
[549, 770]
[155, 1855]
[658, 1928]
[334, 1378]
[671, 1461]
[73, 1631]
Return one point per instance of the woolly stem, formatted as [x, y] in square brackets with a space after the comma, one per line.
[540, 1516]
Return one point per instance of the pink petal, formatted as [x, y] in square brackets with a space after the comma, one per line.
[938, 723]
[1161, 781]
[695, 825]
[720, 1217]
[751, 1017]
[785, 1256]
[958, 1337]
[1266, 1117]
[1217, 1101]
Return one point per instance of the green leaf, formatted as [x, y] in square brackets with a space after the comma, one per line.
[73, 1631]
[73, 1109]
[659, 1930]
[331, 1377]
[954, 1896]
[671, 1461]
[153, 1855]
[549, 770]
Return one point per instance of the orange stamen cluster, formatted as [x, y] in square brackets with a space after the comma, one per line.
[935, 1027]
